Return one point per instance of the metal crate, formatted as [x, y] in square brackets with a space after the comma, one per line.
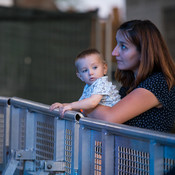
[118, 149]
[3, 132]
[43, 143]
[40, 141]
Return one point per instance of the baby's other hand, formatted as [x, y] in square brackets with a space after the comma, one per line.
[55, 105]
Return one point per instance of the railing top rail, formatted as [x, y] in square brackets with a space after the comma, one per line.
[43, 108]
[4, 100]
[113, 128]
[125, 130]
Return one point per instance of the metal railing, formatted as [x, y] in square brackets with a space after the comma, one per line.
[3, 131]
[42, 143]
[120, 149]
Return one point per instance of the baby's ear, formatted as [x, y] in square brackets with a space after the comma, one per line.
[105, 66]
[79, 76]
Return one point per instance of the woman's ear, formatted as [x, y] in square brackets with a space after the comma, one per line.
[105, 66]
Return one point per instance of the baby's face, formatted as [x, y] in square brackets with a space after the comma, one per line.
[90, 68]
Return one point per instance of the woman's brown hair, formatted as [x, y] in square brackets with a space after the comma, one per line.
[155, 56]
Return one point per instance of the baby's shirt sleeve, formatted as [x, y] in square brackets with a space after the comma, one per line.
[84, 94]
[105, 88]
[101, 86]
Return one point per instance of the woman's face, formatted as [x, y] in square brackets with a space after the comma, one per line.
[126, 53]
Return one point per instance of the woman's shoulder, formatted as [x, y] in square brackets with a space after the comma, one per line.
[157, 76]
[156, 83]
[153, 80]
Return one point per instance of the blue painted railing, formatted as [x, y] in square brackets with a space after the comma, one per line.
[42, 142]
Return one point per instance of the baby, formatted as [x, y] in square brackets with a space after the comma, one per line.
[91, 69]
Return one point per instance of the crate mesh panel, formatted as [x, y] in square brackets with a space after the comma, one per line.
[168, 164]
[1, 137]
[22, 129]
[44, 141]
[68, 150]
[98, 158]
[132, 162]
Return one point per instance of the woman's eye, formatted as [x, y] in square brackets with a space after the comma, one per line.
[123, 46]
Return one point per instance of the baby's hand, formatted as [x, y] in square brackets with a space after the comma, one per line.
[55, 105]
[64, 108]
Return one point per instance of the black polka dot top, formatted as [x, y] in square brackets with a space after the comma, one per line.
[159, 119]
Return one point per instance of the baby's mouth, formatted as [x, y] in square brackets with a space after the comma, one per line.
[92, 79]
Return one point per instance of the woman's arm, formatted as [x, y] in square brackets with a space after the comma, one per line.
[135, 103]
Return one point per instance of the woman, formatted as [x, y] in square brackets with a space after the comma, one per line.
[147, 74]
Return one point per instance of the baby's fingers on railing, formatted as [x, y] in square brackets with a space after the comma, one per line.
[62, 111]
[55, 105]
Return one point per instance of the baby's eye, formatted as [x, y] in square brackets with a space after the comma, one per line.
[84, 70]
[94, 67]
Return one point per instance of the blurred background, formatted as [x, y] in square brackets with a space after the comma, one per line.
[39, 40]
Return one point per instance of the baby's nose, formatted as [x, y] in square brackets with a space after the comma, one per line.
[90, 72]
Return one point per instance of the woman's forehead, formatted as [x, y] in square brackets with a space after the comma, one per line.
[124, 35]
